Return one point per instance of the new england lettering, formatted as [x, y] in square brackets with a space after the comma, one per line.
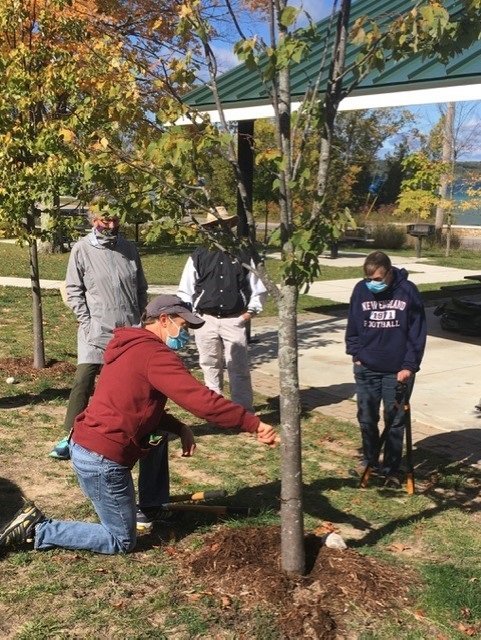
[368, 305]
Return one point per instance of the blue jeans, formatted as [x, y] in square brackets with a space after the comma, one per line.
[373, 387]
[110, 488]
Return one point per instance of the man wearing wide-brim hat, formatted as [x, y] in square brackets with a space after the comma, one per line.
[226, 295]
[220, 217]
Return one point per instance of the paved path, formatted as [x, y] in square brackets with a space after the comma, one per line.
[446, 390]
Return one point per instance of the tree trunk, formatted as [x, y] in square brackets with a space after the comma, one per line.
[332, 99]
[55, 243]
[292, 522]
[448, 155]
[37, 316]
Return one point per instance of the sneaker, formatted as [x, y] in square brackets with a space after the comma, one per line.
[144, 523]
[21, 528]
[392, 482]
[358, 470]
[148, 516]
[61, 450]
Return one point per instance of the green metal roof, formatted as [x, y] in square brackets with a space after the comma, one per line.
[241, 87]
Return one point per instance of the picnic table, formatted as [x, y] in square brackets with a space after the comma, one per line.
[474, 287]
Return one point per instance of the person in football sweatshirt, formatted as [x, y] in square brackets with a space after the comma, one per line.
[121, 424]
[386, 337]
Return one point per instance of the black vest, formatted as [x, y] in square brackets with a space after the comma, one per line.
[222, 286]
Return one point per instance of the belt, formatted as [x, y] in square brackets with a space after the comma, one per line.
[218, 313]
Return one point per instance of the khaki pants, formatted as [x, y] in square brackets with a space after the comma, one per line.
[221, 338]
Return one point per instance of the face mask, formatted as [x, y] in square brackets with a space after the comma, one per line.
[180, 340]
[376, 287]
[106, 232]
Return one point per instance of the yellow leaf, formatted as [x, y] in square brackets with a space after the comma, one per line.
[104, 142]
[185, 11]
[67, 135]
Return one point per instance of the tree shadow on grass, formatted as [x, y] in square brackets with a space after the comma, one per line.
[11, 500]
[23, 399]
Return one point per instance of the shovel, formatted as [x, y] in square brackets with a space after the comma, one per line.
[181, 503]
[410, 486]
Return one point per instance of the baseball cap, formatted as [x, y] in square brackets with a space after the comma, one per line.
[166, 303]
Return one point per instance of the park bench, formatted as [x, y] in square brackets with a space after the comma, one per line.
[358, 237]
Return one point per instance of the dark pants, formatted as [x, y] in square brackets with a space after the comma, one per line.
[373, 387]
[153, 470]
[82, 388]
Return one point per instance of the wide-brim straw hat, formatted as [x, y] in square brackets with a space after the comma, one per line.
[221, 215]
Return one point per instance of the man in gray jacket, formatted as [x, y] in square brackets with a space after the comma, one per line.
[106, 288]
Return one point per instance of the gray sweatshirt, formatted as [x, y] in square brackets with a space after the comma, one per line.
[106, 288]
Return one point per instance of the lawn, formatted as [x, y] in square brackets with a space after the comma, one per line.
[163, 266]
[429, 544]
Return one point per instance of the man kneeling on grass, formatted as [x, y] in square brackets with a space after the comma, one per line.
[140, 374]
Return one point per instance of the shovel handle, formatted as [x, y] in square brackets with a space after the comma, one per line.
[365, 477]
[220, 510]
[410, 486]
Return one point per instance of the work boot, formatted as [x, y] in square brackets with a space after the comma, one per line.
[21, 528]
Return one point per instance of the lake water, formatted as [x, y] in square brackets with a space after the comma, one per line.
[468, 217]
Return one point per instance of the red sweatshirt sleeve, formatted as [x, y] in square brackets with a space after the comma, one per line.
[168, 375]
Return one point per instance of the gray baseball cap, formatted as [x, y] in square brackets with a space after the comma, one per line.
[166, 303]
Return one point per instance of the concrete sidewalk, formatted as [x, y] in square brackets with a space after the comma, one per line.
[420, 272]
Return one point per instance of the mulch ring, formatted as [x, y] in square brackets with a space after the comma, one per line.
[23, 368]
[245, 564]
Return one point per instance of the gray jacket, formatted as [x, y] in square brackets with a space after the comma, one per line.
[105, 288]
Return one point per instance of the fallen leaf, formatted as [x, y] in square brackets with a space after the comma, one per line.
[118, 605]
[468, 629]
[225, 602]
[325, 527]
[398, 547]
[194, 597]
[170, 551]
[101, 570]
[419, 614]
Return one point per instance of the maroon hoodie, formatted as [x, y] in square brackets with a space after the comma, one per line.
[139, 375]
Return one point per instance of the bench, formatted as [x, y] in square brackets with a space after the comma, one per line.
[357, 236]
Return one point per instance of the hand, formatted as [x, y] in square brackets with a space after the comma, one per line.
[246, 316]
[266, 434]
[404, 375]
[187, 440]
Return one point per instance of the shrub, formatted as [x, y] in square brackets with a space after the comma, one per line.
[433, 242]
[388, 236]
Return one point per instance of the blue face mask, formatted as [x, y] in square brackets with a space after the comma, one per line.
[180, 340]
[376, 287]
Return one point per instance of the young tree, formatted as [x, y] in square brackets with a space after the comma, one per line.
[65, 93]
[302, 234]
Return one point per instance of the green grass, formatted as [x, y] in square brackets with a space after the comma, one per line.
[163, 266]
[146, 594]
